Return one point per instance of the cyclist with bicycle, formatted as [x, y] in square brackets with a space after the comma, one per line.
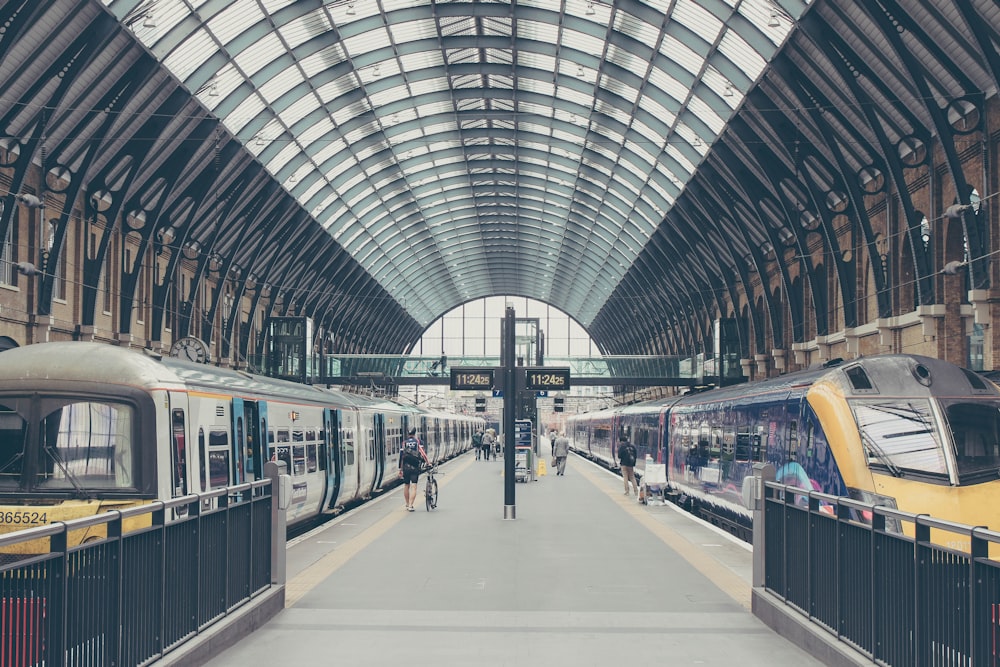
[411, 457]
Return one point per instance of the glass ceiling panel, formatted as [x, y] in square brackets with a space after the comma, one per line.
[548, 144]
[232, 21]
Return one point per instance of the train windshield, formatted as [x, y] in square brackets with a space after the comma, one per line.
[79, 447]
[899, 435]
[975, 432]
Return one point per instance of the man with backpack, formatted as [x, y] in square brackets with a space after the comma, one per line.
[488, 440]
[411, 457]
[477, 443]
[626, 459]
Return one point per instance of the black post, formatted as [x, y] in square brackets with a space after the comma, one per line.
[509, 405]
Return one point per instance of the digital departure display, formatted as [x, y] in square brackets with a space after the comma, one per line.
[547, 379]
[463, 379]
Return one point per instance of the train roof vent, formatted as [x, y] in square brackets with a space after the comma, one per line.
[977, 382]
[859, 379]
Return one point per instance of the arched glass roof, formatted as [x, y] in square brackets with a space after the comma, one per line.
[460, 150]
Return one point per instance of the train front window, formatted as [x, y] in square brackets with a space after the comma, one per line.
[87, 445]
[975, 432]
[12, 441]
[899, 436]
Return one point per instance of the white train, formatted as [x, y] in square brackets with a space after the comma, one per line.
[87, 427]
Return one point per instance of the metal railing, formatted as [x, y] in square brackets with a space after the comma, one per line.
[904, 589]
[133, 595]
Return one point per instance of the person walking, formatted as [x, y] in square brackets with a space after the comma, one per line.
[561, 451]
[487, 442]
[477, 443]
[626, 459]
[411, 455]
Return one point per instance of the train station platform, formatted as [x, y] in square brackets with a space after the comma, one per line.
[582, 576]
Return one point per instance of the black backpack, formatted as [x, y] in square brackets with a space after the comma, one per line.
[626, 455]
[411, 453]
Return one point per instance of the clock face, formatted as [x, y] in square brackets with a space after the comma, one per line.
[190, 348]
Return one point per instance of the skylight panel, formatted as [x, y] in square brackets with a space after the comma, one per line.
[409, 31]
[339, 87]
[301, 29]
[322, 60]
[298, 110]
[701, 109]
[259, 54]
[636, 28]
[425, 86]
[660, 80]
[495, 26]
[237, 17]
[414, 62]
[434, 108]
[288, 153]
[457, 25]
[245, 112]
[696, 17]
[657, 110]
[348, 112]
[280, 84]
[683, 54]
[317, 131]
[581, 42]
[368, 41]
[191, 54]
[539, 31]
[744, 56]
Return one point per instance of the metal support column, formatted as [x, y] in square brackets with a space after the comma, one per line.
[509, 406]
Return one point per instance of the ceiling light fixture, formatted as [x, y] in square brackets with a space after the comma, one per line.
[773, 22]
[579, 70]
[213, 88]
[728, 92]
[149, 21]
[590, 9]
[376, 71]
[350, 9]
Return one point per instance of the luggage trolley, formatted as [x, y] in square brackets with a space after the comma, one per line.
[654, 482]
[523, 464]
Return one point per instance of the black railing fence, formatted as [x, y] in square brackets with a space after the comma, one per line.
[906, 590]
[131, 595]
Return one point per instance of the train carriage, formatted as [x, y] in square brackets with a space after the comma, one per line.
[905, 431]
[87, 427]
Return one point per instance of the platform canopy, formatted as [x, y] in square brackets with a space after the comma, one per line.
[645, 166]
[459, 150]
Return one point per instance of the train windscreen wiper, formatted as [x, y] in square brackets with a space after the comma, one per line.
[880, 454]
[72, 478]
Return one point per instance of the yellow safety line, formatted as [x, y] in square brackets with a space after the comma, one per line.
[731, 583]
[308, 578]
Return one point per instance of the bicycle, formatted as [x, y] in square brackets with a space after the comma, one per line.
[431, 489]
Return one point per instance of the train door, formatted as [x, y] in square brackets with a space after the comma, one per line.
[255, 426]
[378, 429]
[331, 447]
[239, 439]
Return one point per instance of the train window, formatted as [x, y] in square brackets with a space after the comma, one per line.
[299, 459]
[975, 428]
[12, 441]
[743, 447]
[284, 453]
[203, 471]
[218, 467]
[311, 458]
[900, 435]
[88, 445]
[348, 451]
[178, 452]
[859, 378]
[283, 435]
